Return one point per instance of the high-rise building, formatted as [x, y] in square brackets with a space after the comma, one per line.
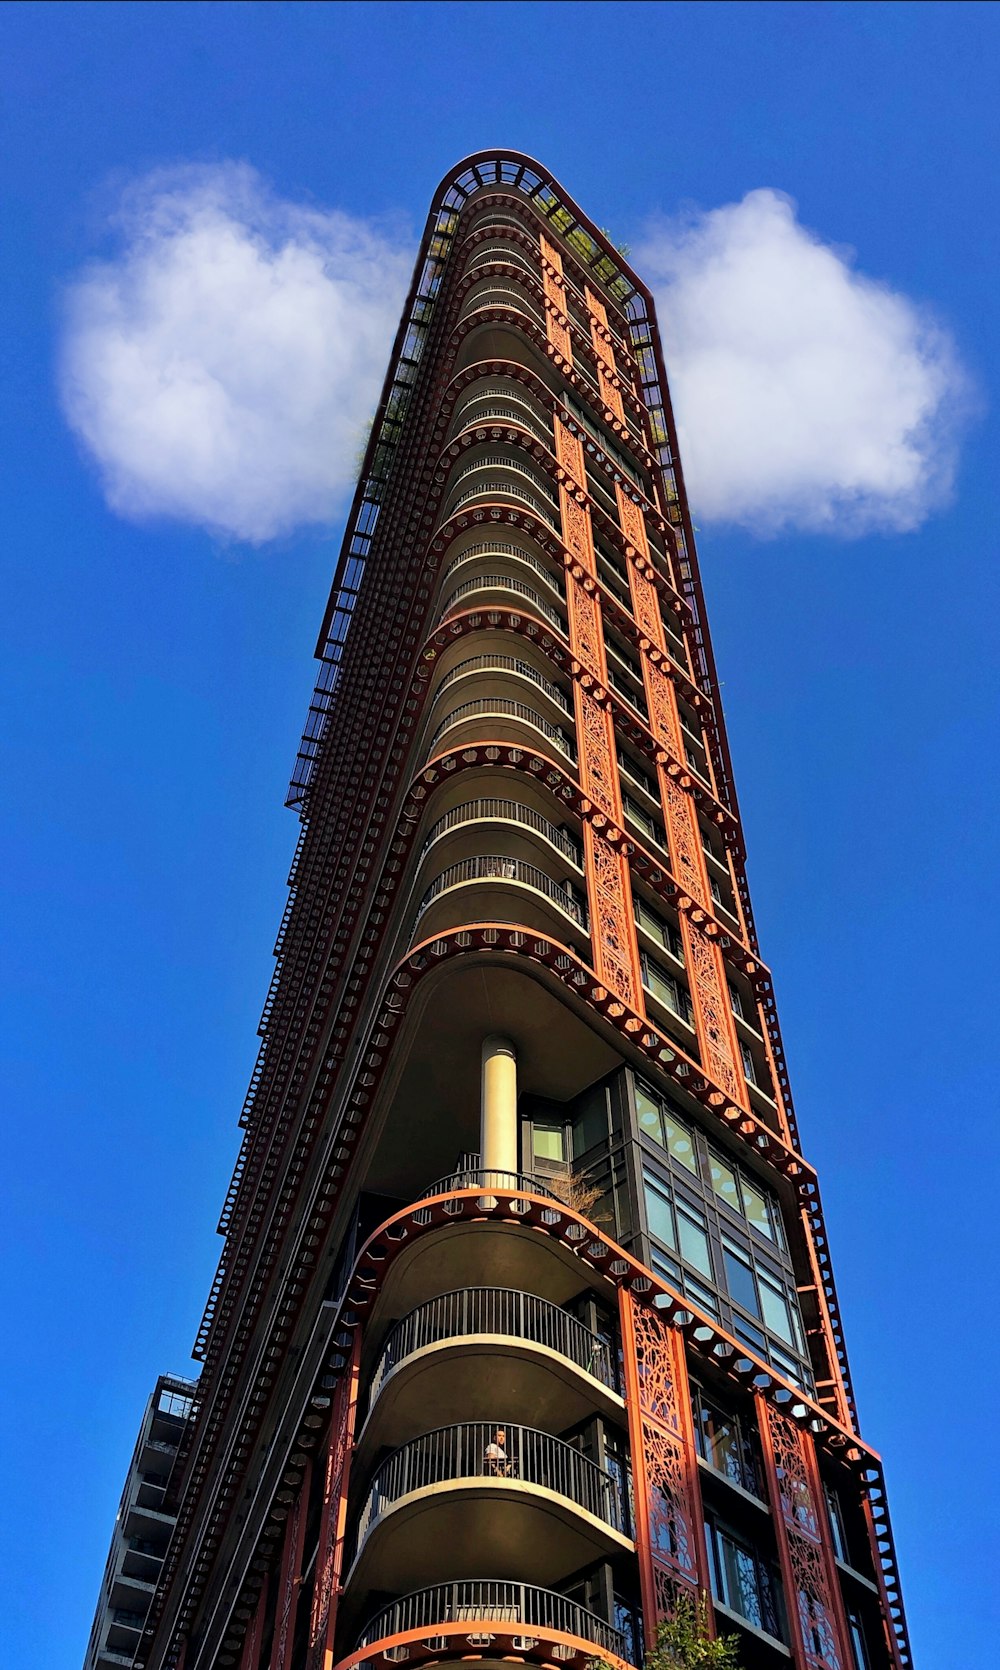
[525, 1324]
[142, 1528]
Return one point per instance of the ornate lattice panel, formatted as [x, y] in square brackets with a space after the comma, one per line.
[556, 322]
[612, 920]
[595, 740]
[605, 355]
[812, 1588]
[333, 1519]
[578, 535]
[713, 1013]
[291, 1575]
[668, 1529]
[569, 452]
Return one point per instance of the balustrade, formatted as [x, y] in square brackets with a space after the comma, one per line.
[481, 1601]
[498, 1310]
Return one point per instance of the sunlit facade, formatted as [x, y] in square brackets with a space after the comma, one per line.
[524, 1323]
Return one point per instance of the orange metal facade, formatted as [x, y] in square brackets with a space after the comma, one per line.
[519, 818]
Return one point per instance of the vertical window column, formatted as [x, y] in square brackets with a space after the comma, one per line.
[556, 320]
[606, 370]
[816, 1619]
[615, 945]
[713, 1015]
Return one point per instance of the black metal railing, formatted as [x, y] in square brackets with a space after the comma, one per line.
[482, 1602]
[506, 811]
[499, 867]
[477, 1178]
[474, 1451]
[498, 1310]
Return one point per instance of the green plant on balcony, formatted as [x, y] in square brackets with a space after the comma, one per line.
[685, 1642]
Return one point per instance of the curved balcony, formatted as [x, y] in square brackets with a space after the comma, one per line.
[504, 461]
[491, 293]
[490, 810]
[458, 1454]
[459, 1616]
[447, 1506]
[463, 1354]
[499, 1311]
[493, 868]
[513, 664]
[502, 250]
[477, 1178]
[502, 708]
[502, 583]
[541, 507]
[496, 217]
[505, 550]
[500, 408]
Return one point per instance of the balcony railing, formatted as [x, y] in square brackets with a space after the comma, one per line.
[495, 867]
[493, 415]
[493, 294]
[505, 664]
[544, 509]
[509, 391]
[501, 707]
[480, 1602]
[460, 1454]
[504, 582]
[504, 548]
[476, 1178]
[498, 1310]
[500, 252]
[507, 811]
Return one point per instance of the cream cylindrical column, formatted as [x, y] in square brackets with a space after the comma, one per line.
[498, 1122]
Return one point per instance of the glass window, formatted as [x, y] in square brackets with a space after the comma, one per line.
[749, 1199]
[548, 1142]
[739, 1279]
[724, 1183]
[680, 1142]
[775, 1310]
[639, 817]
[661, 984]
[743, 1580]
[858, 1646]
[748, 1066]
[704, 1296]
[836, 1524]
[725, 1443]
[666, 1128]
[660, 1215]
[649, 1115]
[759, 1211]
[694, 1241]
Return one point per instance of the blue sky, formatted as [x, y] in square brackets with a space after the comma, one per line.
[156, 673]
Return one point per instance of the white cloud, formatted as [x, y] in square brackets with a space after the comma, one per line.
[221, 368]
[807, 394]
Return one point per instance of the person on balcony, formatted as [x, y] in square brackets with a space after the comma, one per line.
[495, 1458]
